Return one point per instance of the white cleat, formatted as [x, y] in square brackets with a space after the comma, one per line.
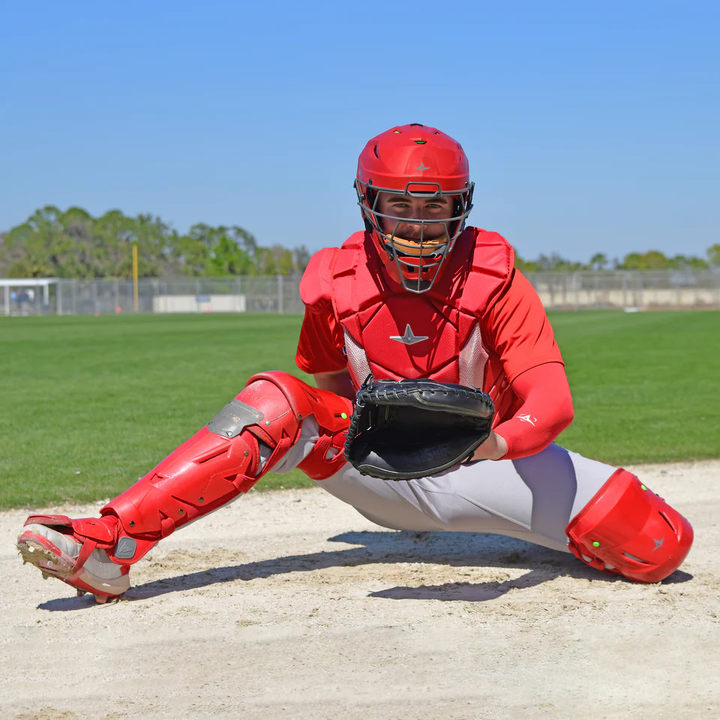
[55, 555]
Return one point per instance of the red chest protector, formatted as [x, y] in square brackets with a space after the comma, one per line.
[393, 333]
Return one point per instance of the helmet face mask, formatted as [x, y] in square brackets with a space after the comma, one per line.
[416, 246]
[415, 195]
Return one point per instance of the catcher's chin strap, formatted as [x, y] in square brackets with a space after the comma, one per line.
[220, 462]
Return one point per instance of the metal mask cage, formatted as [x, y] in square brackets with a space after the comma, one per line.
[418, 273]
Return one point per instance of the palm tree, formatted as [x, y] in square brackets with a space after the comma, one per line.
[598, 261]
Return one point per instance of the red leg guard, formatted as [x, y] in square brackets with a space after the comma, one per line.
[626, 529]
[222, 460]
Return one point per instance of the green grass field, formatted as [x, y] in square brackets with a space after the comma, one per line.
[90, 404]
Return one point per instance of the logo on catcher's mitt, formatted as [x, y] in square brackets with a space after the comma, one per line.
[409, 338]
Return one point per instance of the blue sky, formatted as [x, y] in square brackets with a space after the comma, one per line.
[589, 126]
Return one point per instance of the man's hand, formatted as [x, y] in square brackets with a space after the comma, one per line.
[494, 448]
[414, 428]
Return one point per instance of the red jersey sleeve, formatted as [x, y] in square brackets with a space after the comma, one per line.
[518, 330]
[546, 410]
[320, 348]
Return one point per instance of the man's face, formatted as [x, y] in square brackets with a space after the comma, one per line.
[408, 234]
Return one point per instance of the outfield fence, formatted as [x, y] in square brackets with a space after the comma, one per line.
[626, 289]
[273, 294]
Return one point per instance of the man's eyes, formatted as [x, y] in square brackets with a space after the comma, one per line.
[432, 206]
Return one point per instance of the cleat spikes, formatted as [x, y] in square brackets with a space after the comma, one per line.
[80, 593]
[100, 599]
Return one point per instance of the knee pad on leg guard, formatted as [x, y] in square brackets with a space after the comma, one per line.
[332, 413]
[627, 529]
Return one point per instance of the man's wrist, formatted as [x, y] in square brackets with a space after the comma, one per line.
[501, 447]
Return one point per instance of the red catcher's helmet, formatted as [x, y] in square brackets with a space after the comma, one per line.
[416, 161]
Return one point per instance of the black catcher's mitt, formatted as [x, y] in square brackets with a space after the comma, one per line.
[408, 429]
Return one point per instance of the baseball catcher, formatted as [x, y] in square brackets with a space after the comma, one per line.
[430, 353]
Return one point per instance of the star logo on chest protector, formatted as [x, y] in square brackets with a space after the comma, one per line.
[409, 337]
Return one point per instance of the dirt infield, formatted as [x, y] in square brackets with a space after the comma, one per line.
[291, 605]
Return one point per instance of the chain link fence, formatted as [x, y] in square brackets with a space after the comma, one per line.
[280, 294]
[628, 289]
[274, 294]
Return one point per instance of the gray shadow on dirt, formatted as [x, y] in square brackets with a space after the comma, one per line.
[460, 550]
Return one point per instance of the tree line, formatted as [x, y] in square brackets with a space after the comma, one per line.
[73, 244]
[651, 260]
